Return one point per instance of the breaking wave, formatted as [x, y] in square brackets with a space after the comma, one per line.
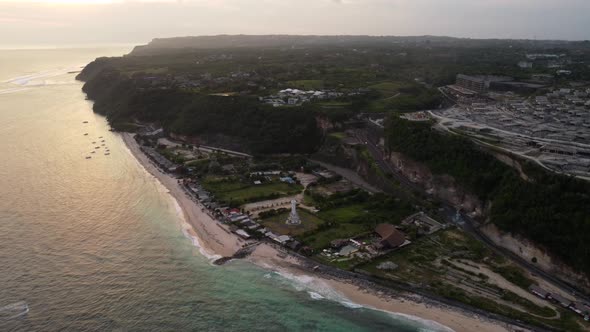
[43, 78]
[320, 290]
[187, 230]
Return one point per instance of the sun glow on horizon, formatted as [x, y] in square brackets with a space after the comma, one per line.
[67, 2]
[91, 2]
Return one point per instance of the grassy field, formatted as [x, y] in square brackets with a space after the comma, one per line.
[277, 223]
[307, 84]
[338, 135]
[236, 192]
[388, 89]
[219, 185]
[335, 105]
[342, 214]
[322, 239]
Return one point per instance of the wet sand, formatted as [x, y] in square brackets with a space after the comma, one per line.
[216, 240]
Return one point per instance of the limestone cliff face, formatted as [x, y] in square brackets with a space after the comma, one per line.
[532, 252]
[324, 124]
[443, 187]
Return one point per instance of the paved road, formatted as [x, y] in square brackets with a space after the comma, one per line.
[468, 224]
[350, 175]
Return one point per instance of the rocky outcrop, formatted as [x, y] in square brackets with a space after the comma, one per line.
[443, 187]
[535, 254]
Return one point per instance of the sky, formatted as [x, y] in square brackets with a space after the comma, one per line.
[75, 22]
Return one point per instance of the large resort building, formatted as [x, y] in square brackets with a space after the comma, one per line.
[473, 83]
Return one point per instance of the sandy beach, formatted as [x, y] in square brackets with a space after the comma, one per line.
[216, 239]
[405, 304]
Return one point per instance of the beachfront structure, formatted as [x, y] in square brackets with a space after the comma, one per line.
[424, 223]
[293, 216]
[390, 236]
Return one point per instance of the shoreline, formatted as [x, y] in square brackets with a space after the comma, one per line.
[215, 240]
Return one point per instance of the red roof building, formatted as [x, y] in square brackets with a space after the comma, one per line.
[390, 236]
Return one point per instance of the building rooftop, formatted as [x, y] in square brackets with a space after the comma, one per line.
[390, 236]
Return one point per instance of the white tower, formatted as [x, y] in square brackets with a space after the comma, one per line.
[293, 217]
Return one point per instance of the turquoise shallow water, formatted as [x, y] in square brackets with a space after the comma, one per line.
[96, 244]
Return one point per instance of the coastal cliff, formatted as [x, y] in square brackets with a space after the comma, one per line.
[501, 195]
[128, 101]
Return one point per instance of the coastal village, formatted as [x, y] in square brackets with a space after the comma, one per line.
[300, 160]
[260, 202]
[279, 202]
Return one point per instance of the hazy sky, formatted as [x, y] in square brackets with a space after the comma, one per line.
[29, 22]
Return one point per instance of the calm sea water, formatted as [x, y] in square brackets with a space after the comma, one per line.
[97, 244]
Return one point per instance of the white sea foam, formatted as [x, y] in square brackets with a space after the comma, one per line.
[427, 325]
[320, 290]
[315, 295]
[42, 78]
[186, 227]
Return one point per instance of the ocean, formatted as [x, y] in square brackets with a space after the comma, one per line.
[98, 244]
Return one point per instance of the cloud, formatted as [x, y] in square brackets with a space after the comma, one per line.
[142, 20]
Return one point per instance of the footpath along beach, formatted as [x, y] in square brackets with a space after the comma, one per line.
[216, 240]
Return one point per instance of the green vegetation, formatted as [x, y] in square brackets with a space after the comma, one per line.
[321, 238]
[337, 135]
[514, 275]
[552, 210]
[210, 90]
[235, 192]
[388, 89]
[400, 96]
[434, 263]
[343, 214]
[240, 120]
[307, 84]
[350, 214]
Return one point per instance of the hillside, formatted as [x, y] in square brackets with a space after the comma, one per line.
[550, 209]
[238, 122]
[168, 45]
